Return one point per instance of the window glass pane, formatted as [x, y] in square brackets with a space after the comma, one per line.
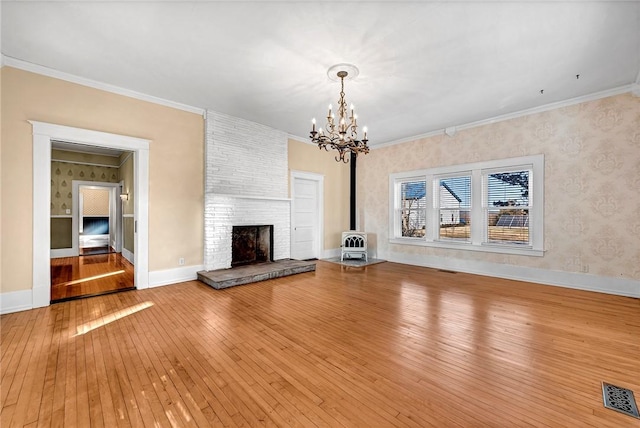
[508, 226]
[507, 219]
[455, 208]
[507, 189]
[413, 204]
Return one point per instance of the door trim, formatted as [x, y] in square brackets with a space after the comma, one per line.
[43, 134]
[319, 179]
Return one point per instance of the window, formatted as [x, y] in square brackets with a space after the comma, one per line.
[412, 208]
[507, 208]
[494, 206]
[455, 208]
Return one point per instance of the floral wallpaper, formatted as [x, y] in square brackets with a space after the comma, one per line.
[62, 174]
[592, 182]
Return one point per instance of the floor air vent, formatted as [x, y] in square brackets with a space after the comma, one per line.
[619, 399]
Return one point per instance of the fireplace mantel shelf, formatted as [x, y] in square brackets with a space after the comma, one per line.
[259, 198]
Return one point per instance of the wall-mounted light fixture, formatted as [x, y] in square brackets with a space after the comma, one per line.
[124, 196]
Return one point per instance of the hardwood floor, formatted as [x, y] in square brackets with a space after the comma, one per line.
[73, 277]
[95, 250]
[388, 345]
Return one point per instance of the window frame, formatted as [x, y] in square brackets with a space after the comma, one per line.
[396, 205]
[478, 237]
[485, 201]
[437, 223]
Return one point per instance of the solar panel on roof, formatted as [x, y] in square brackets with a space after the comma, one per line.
[513, 221]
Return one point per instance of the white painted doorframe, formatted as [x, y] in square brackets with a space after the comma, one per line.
[115, 212]
[319, 217]
[43, 134]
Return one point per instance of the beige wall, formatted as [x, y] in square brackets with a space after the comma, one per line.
[128, 234]
[308, 158]
[175, 171]
[126, 176]
[592, 177]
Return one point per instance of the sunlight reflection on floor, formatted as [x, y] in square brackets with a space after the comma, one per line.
[92, 325]
[81, 280]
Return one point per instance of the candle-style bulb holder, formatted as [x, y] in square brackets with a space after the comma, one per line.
[344, 136]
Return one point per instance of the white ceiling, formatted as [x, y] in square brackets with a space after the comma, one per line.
[423, 66]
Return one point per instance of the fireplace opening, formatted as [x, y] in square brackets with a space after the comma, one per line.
[251, 244]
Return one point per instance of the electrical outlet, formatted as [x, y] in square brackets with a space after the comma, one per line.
[181, 261]
[585, 268]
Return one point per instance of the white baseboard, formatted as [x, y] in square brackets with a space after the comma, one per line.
[159, 278]
[15, 301]
[328, 254]
[127, 255]
[579, 281]
[63, 252]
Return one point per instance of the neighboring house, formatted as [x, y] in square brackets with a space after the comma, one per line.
[413, 207]
[414, 204]
[449, 205]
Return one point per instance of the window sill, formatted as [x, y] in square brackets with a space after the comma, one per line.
[487, 248]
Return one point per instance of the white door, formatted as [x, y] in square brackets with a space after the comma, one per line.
[306, 215]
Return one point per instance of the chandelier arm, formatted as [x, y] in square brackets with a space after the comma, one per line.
[331, 128]
[342, 135]
[342, 158]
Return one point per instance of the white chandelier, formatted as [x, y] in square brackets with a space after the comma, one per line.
[342, 136]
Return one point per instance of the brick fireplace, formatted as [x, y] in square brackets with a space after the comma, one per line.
[246, 184]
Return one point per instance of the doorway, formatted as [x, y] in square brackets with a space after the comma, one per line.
[96, 220]
[99, 218]
[43, 136]
[307, 196]
[86, 191]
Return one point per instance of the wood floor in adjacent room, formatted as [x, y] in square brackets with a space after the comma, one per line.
[386, 345]
[74, 277]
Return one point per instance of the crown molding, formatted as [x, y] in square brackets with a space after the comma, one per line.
[46, 71]
[413, 138]
[305, 140]
[552, 106]
[633, 88]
